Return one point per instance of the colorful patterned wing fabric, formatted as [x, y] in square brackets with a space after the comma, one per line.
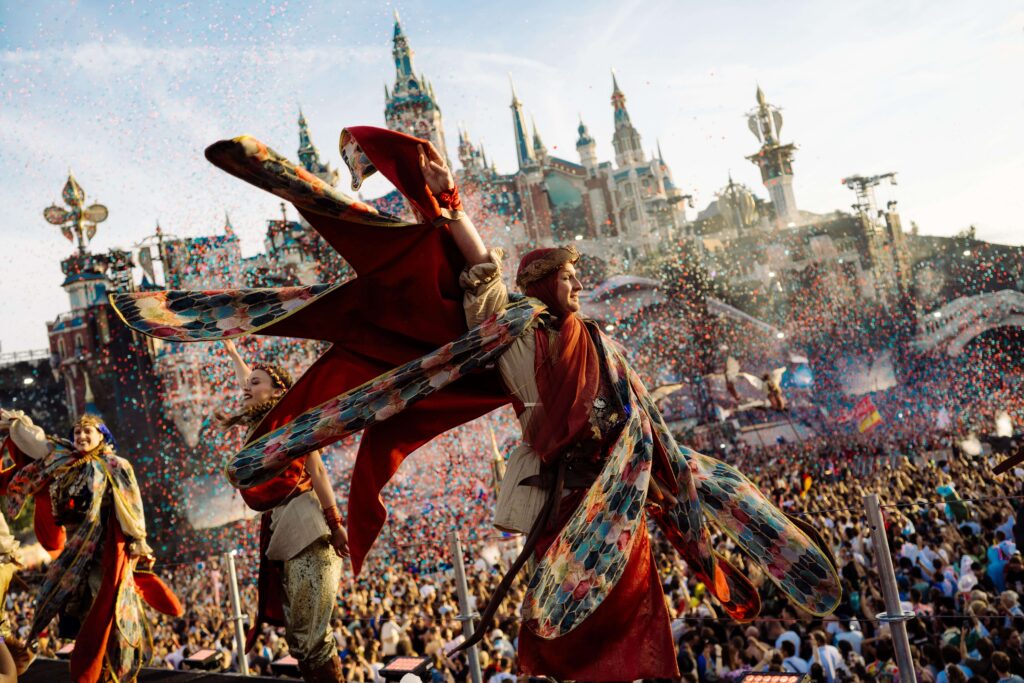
[71, 567]
[589, 556]
[249, 159]
[383, 397]
[202, 316]
[790, 558]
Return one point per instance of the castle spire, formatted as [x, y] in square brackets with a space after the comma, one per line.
[402, 53]
[410, 107]
[309, 157]
[626, 139]
[539, 150]
[308, 154]
[524, 151]
[585, 146]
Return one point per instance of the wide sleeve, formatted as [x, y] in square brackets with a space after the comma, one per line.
[128, 505]
[29, 438]
[485, 291]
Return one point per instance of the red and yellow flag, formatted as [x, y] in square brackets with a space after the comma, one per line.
[866, 415]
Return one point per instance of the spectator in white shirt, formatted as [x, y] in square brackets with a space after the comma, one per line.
[390, 634]
[828, 656]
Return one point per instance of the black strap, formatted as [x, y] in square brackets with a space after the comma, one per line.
[547, 516]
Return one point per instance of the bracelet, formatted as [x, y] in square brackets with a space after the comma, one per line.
[449, 199]
[332, 517]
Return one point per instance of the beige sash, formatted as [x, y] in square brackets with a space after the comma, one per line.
[519, 505]
[295, 525]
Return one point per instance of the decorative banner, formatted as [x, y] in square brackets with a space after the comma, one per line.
[866, 415]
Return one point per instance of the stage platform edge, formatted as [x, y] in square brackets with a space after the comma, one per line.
[54, 670]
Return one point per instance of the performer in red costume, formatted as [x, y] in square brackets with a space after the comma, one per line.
[570, 418]
[302, 539]
[598, 459]
[88, 514]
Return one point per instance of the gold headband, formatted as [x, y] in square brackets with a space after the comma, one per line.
[88, 420]
[547, 264]
[278, 375]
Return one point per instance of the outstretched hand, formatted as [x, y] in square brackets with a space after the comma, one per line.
[435, 170]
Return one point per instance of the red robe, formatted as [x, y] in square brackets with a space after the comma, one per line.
[628, 637]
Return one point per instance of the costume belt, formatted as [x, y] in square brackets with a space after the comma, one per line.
[569, 473]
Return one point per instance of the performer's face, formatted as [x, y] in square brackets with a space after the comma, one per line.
[567, 288]
[87, 438]
[258, 389]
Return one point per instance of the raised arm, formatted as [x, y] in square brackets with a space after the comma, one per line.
[29, 438]
[325, 494]
[439, 179]
[242, 370]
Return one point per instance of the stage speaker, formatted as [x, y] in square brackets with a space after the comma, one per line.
[65, 652]
[286, 666]
[400, 666]
[203, 660]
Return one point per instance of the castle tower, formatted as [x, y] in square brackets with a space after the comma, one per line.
[309, 157]
[586, 148]
[524, 150]
[410, 107]
[774, 159]
[626, 138]
[472, 157]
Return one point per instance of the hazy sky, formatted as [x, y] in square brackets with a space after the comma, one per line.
[127, 94]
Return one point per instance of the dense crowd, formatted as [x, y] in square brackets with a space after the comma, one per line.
[952, 532]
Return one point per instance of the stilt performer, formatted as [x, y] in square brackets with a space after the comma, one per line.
[88, 515]
[402, 353]
[302, 539]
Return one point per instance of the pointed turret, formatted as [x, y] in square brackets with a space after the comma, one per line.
[308, 154]
[586, 147]
[309, 157]
[410, 107]
[469, 157]
[539, 150]
[228, 228]
[402, 53]
[626, 139]
[524, 151]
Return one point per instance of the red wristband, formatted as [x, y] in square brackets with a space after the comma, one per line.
[449, 199]
[332, 517]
